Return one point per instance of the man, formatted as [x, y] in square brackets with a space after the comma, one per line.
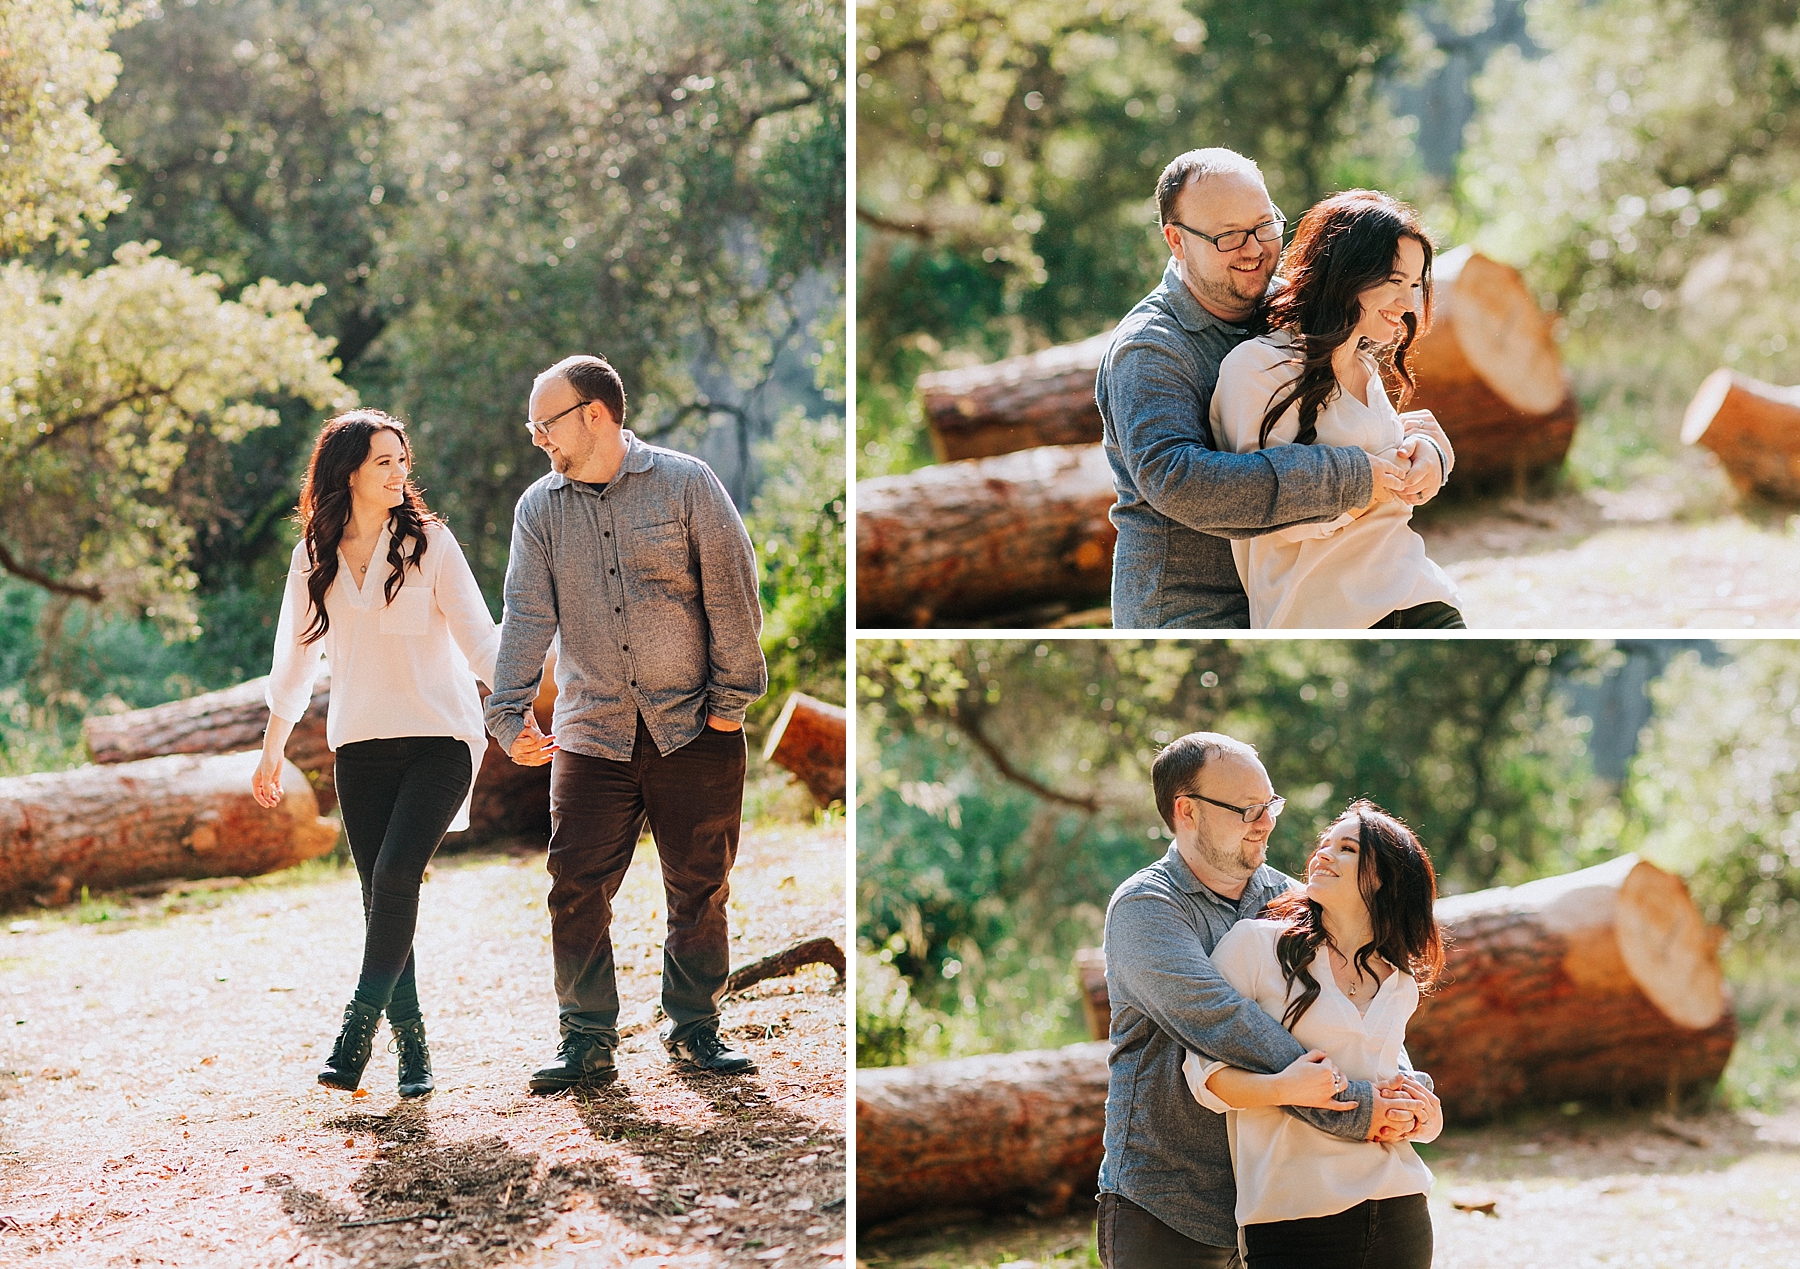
[633, 558]
[1167, 1195]
[1179, 499]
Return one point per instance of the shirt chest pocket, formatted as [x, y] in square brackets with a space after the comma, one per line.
[658, 552]
[410, 613]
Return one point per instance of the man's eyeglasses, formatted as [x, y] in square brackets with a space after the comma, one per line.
[1251, 813]
[1268, 231]
[542, 428]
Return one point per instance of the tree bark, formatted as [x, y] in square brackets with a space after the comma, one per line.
[808, 740]
[1008, 1129]
[1602, 984]
[1754, 428]
[1488, 368]
[1046, 398]
[820, 951]
[184, 816]
[984, 536]
[227, 721]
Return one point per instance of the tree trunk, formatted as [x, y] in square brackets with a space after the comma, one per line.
[227, 721]
[1008, 1129]
[1754, 428]
[808, 740]
[1489, 370]
[984, 536]
[1602, 984]
[183, 816]
[1046, 398]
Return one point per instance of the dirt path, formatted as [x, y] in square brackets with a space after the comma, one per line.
[1566, 1193]
[157, 1103]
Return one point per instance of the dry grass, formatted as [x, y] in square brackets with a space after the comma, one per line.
[159, 1104]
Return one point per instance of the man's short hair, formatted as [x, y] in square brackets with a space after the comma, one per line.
[1177, 766]
[593, 379]
[1194, 166]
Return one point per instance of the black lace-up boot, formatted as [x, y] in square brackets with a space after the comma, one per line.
[582, 1061]
[702, 1050]
[415, 1057]
[344, 1068]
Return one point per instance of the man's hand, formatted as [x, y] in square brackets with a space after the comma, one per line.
[532, 748]
[1427, 1125]
[1390, 479]
[1396, 1117]
[723, 724]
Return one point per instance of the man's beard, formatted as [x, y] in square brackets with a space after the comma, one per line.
[1246, 859]
[1225, 295]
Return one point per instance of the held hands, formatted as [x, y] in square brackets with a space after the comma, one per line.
[1427, 1124]
[1313, 1080]
[532, 748]
[1399, 1115]
[1390, 482]
[1428, 472]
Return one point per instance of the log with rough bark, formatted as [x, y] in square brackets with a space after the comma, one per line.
[1090, 976]
[1488, 368]
[1008, 1129]
[1753, 427]
[808, 740]
[1490, 371]
[227, 721]
[1603, 984]
[984, 536]
[1045, 398]
[820, 951]
[128, 823]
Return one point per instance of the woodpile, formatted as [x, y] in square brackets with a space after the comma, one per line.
[984, 536]
[102, 827]
[1044, 398]
[1602, 985]
[1004, 1130]
[808, 740]
[1754, 428]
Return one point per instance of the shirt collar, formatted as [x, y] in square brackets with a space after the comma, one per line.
[638, 457]
[1264, 884]
[1190, 312]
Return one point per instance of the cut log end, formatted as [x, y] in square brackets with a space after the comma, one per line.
[809, 740]
[1754, 428]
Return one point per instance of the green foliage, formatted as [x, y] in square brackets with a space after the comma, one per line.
[105, 382]
[1004, 787]
[798, 528]
[54, 183]
[1715, 791]
[1008, 156]
[1647, 165]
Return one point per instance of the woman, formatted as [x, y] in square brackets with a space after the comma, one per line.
[1341, 963]
[1358, 288]
[380, 585]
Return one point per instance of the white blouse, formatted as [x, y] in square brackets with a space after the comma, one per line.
[1287, 1169]
[402, 669]
[1346, 573]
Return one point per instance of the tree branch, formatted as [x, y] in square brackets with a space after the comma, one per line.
[971, 727]
[24, 572]
[919, 231]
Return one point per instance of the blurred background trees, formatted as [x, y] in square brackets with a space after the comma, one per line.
[1004, 790]
[454, 195]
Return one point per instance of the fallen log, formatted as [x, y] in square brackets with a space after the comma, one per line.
[186, 816]
[1007, 1129]
[808, 740]
[1488, 368]
[1045, 398]
[984, 536]
[1603, 983]
[1753, 427]
[227, 721]
[820, 951]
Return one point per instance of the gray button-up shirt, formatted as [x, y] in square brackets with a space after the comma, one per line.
[651, 584]
[1164, 1151]
[1179, 499]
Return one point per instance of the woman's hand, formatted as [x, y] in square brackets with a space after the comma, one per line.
[1390, 480]
[1312, 1079]
[265, 782]
[1426, 1124]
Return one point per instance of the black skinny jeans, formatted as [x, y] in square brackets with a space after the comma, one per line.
[1391, 1233]
[1435, 615]
[398, 797]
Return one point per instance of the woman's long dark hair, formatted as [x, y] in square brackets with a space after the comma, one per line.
[342, 447]
[1344, 245]
[1396, 880]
